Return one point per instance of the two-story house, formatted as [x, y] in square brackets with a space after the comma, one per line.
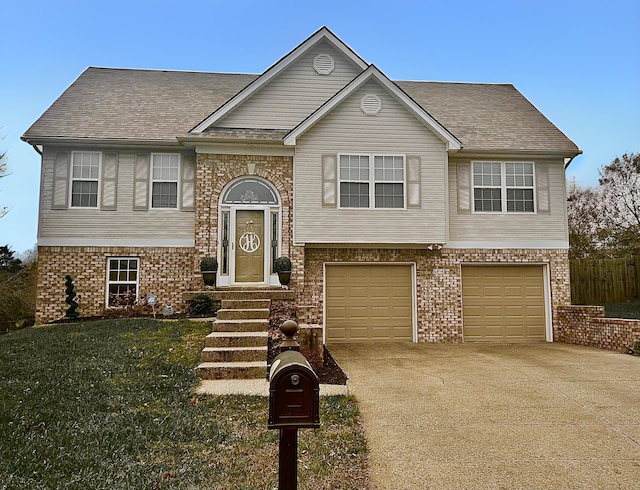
[412, 211]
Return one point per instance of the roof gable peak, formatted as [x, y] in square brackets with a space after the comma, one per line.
[324, 33]
[372, 72]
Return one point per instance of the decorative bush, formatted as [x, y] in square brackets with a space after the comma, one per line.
[71, 296]
[282, 264]
[209, 264]
[200, 304]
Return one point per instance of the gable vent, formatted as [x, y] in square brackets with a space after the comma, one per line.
[371, 104]
[323, 64]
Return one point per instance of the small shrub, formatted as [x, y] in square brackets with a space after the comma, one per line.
[282, 264]
[127, 306]
[200, 304]
[209, 264]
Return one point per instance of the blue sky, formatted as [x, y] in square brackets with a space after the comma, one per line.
[576, 61]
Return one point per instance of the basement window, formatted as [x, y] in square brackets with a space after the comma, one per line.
[122, 281]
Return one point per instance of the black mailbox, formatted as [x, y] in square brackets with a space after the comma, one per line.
[294, 393]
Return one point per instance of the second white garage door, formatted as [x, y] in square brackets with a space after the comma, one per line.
[369, 303]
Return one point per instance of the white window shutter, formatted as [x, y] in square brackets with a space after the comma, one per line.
[188, 202]
[413, 181]
[542, 187]
[329, 181]
[464, 188]
[108, 199]
[141, 182]
[60, 197]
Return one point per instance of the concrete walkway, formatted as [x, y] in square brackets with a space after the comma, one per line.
[255, 387]
[507, 416]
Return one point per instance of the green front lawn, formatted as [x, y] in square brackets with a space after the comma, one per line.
[110, 404]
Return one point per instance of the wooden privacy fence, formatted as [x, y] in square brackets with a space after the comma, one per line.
[605, 280]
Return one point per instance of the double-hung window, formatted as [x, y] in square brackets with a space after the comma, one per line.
[165, 174]
[519, 187]
[85, 175]
[122, 279]
[354, 181]
[503, 187]
[372, 181]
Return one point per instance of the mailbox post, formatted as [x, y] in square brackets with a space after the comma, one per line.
[294, 403]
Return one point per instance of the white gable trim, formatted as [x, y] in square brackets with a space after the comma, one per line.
[278, 67]
[407, 102]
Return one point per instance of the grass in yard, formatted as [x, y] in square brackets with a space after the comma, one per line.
[629, 310]
[109, 404]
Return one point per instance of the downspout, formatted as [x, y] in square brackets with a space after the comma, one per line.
[567, 161]
[35, 147]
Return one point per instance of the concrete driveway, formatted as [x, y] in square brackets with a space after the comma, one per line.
[490, 416]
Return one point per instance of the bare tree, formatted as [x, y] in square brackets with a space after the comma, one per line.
[620, 189]
[3, 173]
[588, 233]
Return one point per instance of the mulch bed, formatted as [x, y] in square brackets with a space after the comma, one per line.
[330, 373]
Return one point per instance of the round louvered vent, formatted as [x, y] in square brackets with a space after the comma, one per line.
[371, 104]
[323, 64]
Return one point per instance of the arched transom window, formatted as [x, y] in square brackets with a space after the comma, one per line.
[250, 191]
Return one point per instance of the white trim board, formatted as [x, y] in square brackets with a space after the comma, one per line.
[116, 242]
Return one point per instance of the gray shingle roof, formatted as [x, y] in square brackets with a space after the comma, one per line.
[123, 104]
[108, 103]
[488, 116]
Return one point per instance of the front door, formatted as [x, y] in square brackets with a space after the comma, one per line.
[249, 246]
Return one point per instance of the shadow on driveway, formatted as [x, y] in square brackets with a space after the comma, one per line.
[543, 415]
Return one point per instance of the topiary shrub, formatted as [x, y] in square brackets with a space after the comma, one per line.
[282, 264]
[200, 305]
[209, 264]
[71, 296]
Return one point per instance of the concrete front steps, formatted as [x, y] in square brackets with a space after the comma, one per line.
[237, 347]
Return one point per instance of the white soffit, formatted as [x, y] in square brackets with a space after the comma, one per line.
[275, 69]
[407, 102]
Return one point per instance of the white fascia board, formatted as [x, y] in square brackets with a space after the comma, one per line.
[275, 69]
[244, 149]
[116, 242]
[510, 244]
[407, 102]
[435, 245]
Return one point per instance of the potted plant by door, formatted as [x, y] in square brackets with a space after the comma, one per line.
[282, 266]
[209, 269]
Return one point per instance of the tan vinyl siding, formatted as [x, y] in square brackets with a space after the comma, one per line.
[549, 223]
[123, 224]
[393, 131]
[294, 94]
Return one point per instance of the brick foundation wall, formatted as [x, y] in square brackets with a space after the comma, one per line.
[438, 281]
[165, 272]
[586, 325]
